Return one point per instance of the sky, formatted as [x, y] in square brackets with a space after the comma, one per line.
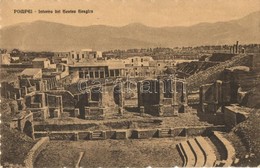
[155, 13]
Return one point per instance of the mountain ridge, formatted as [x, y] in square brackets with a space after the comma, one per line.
[50, 36]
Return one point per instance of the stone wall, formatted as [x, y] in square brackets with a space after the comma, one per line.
[36, 149]
[215, 95]
[162, 97]
[61, 127]
[129, 133]
[233, 115]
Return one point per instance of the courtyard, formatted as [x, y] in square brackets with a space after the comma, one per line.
[111, 153]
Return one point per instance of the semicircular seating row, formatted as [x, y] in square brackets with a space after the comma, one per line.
[198, 152]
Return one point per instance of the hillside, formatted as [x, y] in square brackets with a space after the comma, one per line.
[43, 35]
[246, 139]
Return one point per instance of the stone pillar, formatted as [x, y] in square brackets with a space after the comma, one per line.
[42, 99]
[202, 99]
[237, 47]
[114, 72]
[109, 73]
[99, 73]
[121, 101]
[218, 92]
[94, 74]
[184, 94]
[76, 136]
[19, 94]
[175, 105]
[15, 96]
[8, 94]
[140, 94]
[87, 112]
[100, 97]
[160, 110]
[59, 103]
[76, 112]
[141, 109]
[161, 90]
[88, 96]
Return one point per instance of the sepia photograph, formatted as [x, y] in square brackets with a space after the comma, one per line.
[129, 83]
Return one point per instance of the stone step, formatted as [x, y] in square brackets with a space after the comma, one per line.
[183, 155]
[165, 133]
[207, 150]
[200, 158]
[190, 156]
[96, 134]
[228, 152]
[219, 147]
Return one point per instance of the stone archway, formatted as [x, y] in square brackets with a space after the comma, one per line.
[28, 129]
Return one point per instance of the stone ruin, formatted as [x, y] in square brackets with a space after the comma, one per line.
[23, 121]
[44, 105]
[90, 104]
[162, 97]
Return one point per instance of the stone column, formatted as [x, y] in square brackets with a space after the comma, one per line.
[86, 112]
[141, 109]
[84, 74]
[184, 93]
[19, 94]
[218, 92]
[114, 72]
[99, 73]
[161, 90]
[94, 74]
[89, 94]
[175, 104]
[160, 110]
[161, 96]
[121, 101]
[42, 99]
[59, 103]
[140, 95]
[100, 97]
[202, 99]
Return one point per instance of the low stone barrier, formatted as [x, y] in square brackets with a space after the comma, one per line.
[129, 133]
[33, 153]
[228, 147]
[144, 133]
[197, 131]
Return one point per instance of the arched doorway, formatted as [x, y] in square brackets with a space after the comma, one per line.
[28, 129]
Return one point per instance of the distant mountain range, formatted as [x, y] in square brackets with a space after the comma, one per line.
[49, 36]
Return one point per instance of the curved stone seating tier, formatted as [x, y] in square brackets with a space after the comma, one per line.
[190, 157]
[208, 151]
[200, 158]
[197, 153]
[228, 147]
[183, 156]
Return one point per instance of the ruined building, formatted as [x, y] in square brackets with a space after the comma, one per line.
[162, 97]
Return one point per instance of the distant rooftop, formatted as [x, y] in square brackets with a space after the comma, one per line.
[40, 59]
[31, 71]
[86, 49]
[111, 64]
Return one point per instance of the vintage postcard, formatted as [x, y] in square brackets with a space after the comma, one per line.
[130, 83]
